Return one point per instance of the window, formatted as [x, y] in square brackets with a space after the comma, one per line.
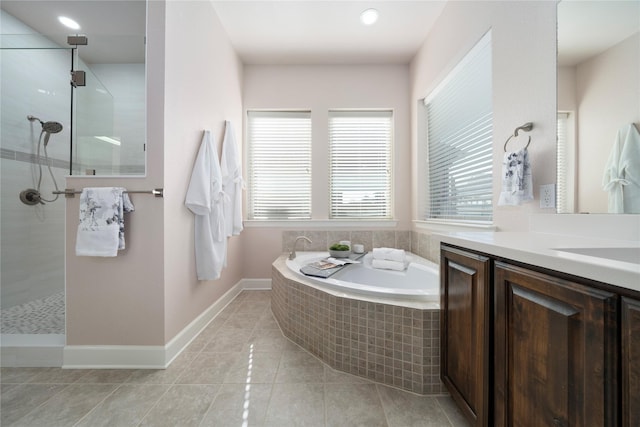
[360, 164]
[565, 164]
[279, 176]
[458, 142]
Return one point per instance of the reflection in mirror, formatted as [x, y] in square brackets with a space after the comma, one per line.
[107, 117]
[598, 96]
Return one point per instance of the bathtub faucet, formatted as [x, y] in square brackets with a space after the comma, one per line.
[292, 255]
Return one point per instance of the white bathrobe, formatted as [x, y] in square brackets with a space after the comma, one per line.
[622, 172]
[232, 182]
[204, 199]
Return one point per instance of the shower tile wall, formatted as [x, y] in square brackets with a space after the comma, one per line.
[32, 245]
[127, 84]
[34, 82]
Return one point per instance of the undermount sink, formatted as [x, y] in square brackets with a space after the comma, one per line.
[631, 255]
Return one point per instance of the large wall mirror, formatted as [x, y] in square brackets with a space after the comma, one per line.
[104, 119]
[598, 95]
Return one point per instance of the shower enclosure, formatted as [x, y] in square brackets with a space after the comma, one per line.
[35, 81]
[85, 133]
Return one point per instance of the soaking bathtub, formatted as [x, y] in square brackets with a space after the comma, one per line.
[420, 281]
[382, 325]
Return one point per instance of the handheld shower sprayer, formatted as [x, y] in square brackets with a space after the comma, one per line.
[47, 128]
[32, 196]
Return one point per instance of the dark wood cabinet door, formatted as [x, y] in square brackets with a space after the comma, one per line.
[555, 351]
[630, 362]
[464, 331]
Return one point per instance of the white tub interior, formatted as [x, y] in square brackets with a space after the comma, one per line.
[420, 281]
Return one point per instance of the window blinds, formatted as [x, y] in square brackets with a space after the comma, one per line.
[279, 176]
[360, 164]
[459, 141]
[562, 165]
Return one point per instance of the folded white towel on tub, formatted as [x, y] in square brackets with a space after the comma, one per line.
[386, 264]
[389, 254]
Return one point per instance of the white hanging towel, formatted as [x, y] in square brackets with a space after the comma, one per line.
[621, 177]
[517, 183]
[101, 228]
[204, 199]
[232, 182]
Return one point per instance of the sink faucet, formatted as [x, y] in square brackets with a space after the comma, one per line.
[292, 255]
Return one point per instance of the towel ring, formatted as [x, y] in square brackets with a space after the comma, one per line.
[509, 139]
[525, 127]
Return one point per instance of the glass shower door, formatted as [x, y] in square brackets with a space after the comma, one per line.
[34, 82]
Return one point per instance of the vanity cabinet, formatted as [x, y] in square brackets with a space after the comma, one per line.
[525, 346]
[630, 337]
[555, 351]
[464, 331]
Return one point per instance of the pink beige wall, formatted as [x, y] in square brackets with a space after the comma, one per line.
[120, 301]
[320, 88]
[202, 89]
[524, 83]
[607, 97]
[149, 292]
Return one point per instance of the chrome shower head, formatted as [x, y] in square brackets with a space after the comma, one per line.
[51, 127]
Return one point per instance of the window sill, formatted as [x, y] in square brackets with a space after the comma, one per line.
[435, 225]
[322, 223]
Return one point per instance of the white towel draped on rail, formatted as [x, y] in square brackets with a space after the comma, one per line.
[101, 228]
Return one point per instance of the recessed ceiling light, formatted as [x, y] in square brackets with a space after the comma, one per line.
[68, 22]
[369, 16]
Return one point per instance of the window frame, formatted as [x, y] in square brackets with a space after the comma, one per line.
[479, 212]
[384, 133]
[305, 200]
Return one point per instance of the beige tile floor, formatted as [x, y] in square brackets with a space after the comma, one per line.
[240, 371]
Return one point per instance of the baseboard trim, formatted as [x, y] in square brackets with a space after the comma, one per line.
[153, 357]
[36, 350]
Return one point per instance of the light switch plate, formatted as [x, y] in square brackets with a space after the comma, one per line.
[548, 196]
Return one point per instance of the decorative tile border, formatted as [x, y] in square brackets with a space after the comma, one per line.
[20, 156]
[393, 345]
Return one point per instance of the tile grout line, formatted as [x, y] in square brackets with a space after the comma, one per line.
[98, 404]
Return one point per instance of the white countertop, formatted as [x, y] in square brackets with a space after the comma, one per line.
[540, 249]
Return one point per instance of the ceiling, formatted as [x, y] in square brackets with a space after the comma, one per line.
[326, 32]
[312, 31]
[115, 28]
[587, 28]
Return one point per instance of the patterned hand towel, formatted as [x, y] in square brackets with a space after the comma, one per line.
[101, 227]
[517, 184]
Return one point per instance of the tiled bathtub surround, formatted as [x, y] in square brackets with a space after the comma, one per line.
[393, 345]
[419, 243]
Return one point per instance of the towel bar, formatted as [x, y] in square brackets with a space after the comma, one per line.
[71, 192]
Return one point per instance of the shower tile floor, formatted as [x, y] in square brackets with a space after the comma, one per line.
[42, 316]
[239, 371]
